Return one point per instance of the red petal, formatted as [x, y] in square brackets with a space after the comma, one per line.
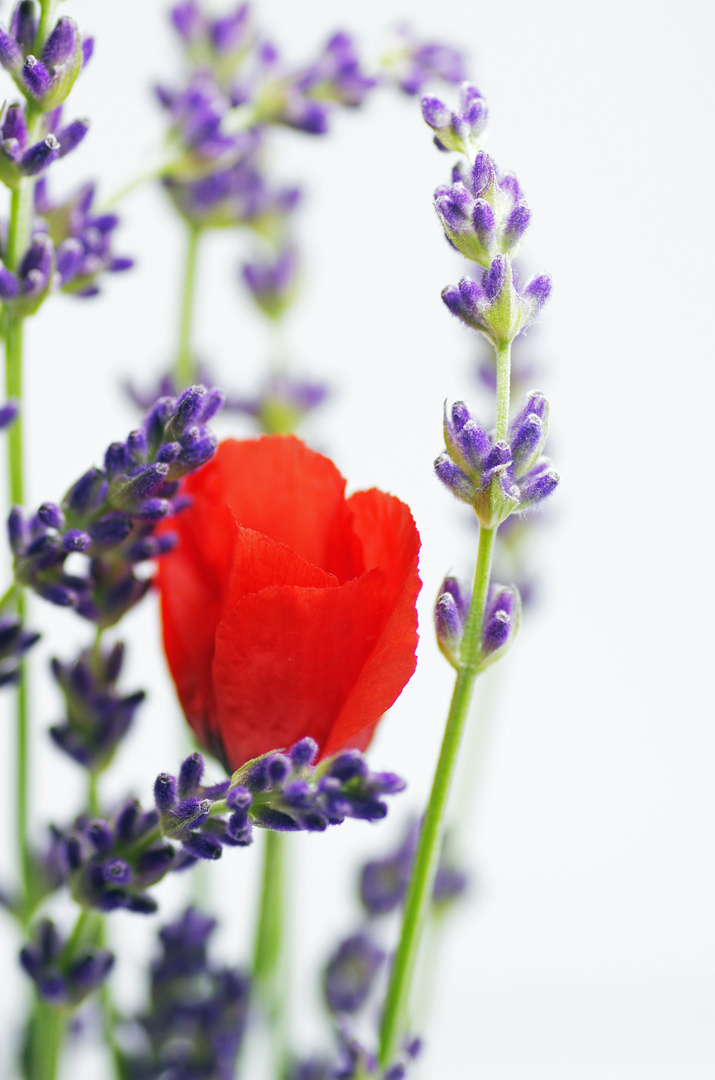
[287, 659]
[278, 487]
[390, 538]
[192, 579]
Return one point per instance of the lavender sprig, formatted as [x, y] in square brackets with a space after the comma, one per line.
[63, 975]
[196, 1015]
[110, 514]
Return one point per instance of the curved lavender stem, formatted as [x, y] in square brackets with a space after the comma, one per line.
[424, 870]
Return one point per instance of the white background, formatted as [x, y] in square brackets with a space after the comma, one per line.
[587, 951]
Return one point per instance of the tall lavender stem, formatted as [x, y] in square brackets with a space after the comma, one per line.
[185, 366]
[19, 230]
[424, 870]
[269, 944]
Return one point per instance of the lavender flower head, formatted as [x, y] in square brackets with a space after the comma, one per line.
[497, 305]
[500, 623]
[272, 281]
[61, 979]
[413, 63]
[459, 129]
[45, 80]
[497, 478]
[81, 239]
[482, 212]
[110, 514]
[281, 403]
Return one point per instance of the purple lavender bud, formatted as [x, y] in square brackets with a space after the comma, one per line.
[537, 291]
[203, 846]
[186, 411]
[75, 540]
[500, 623]
[238, 798]
[108, 532]
[69, 257]
[515, 226]
[142, 904]
[303, 753]
[9, 286]
[23, 25]
[14, 126]
[537, 484]
[8, 413]
[51, 516]
[10, 54]
[192, 769]
[61, 44]
[87, 50]
[153, 864]
[351, 972]
[117, 872]
[435, 112]
[347, 765]
[39, 156]
[527, 432]
[188, 20]
[453, 478]
[85, 493]
[450, 615]
[495, 277]
[36, 77]
[70, 136]
[165, 792]
[279, 767]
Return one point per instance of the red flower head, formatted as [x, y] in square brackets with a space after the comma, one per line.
[288, 610]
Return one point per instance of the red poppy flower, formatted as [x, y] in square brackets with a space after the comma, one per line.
[288, 610]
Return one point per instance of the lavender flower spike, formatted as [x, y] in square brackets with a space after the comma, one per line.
[495, 478]
[450, 615]
[460, 130]
[482, 212]
[496, 306]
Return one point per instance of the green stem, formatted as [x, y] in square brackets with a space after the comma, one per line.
[184, 371]
[503, 389]
[268, 952]
[46, 24]
[419, 893]
[46, 1041]
[19, 229]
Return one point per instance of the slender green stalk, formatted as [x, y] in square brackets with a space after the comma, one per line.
[184, 371]
[268, 951]
[424, 870]
[19, 228]
[46, 24]
[503, 389]
[46, 1041]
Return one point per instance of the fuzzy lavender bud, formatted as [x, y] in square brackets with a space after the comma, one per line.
[482, 212]
[450, 616]
[97, 716]
[351, 972]
[63, 979]
[496, 305]
[487, 474]
[500, 624]
[462, 129]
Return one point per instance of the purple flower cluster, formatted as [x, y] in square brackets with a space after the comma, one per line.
[383, 882]
[197, 1012]
[14, 643]
[97, 716]
[497, 478]
[482, 212]
[110, 514]
[112, 863]
[24, 291]
[496, 305]
[82, 239]
[354, 1061]
[502, 614]
[272, 281]
[281, 403]
[63, 979]
[45, 81]
[414, 63]
[459, 129]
